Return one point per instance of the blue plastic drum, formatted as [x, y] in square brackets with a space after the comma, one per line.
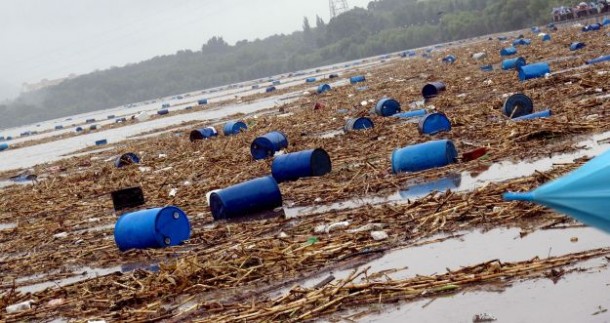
[434, 123]
[411, 114]
[508, 51]
[246, 198]
[518, 105]
[126, 159]
[361, 123]
[3, 146]
[101, 142]
[532, 71]
[433, 89]
[234, 127]
[204, 133]
[357, 79]
[307, 163]
[513, 63]
[323, 88]
[387, 107]
[267, 144]
[541, 114]
[424, 156]
[202, 101]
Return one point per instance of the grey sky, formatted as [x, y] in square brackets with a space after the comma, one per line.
[53, 38]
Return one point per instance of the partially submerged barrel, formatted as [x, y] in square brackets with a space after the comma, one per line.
[513, 63]
[101, 142]
[162, 112]
[434, 123]
[536, 115]
[126, 159]
[576, 46]
[387, 107]
[306, 163]
[310, 79]
[361, 123]
[424, 156]
[449, 59]
[357, 79]
[432, 89]
[323, 88]
[508, 51]
[270, 89]
[253, 196]
[152, 228]
[202, 101]
[518, 105]
[411, 114]
[203, 133]
[267, 144]
[532, 71]
[3, 146]
[234, 127]
[90, 121]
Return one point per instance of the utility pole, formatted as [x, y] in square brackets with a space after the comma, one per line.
[337, 7]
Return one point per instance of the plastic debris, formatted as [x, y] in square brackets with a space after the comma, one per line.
[19, 307]
[483, 317]
[379, 235]
[172, 192]
[60, 235]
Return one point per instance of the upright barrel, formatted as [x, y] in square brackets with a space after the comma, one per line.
[152, 228]
[361, 123]
[267, 144]
[203, 133]
[357, 79]
[234, 127]
[306, 163]
[387, 107]
[513, 63]
[434, 123]
[424, 156]
[432, 89]
[531, 71]
[257, 195]
[518, 105]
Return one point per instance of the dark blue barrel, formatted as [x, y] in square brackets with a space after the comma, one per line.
[431, 90]
[101, 142]
[323, 88]
[508, 51]
[546, 37]
[576, 46]
[90, 121]
[152, 228]
[591, 27]
[306, 163]
[532, 71]
[502, 38]
[79, 129]
[310, 79]
[93, 127]
[126, 159]
[203, 133]
[522, 41]
[411, 114]
[434, 123]
[59, 127]
[487, 68]
[270, 89]
[599, 59]
[119, 120]
[3, 146]
[188, 108]
[234, 127]
[202, 101]
[112, 116]
[450, 59]
[513, 63]
[260, 194]
[518, 105]
[9, 138]
[357, 79]
[424, 156]
[267, 144]
[387, 107]
[361, 123]
[333, 76]
[162, 112]
[541, 114]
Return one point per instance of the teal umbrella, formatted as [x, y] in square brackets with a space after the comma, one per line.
[583, 194]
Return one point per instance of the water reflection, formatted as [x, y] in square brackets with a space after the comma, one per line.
[450, 182]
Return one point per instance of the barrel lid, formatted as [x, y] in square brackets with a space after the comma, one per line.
[172, 226]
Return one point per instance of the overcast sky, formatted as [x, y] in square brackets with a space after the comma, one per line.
[53, 38]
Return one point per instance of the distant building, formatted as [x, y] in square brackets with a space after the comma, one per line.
[28, 87]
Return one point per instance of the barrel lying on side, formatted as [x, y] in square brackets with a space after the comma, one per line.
[234, 127]
[257, 195]
[432, 89]
[424, 156]
[387, 107]
[306, 163]
[267, 144]
[203, 133]
[361, 123]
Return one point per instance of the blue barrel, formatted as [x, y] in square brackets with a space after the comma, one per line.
[361, 123]
[2, 138]
[310, 79]
[431, 90]
[90, 121]
[541, 114]
[119, 120]
[411, 114]
[333, 76]
[487, 68]
[576, 46]
[522, 41]
[126, 159]
[267, 144]
[357, 79]
[152, 228]
[424, 156]
[9, 138]
[518, 105]
[513, 63]
[306, 163]
[203, 133]
[162, 112]
[234, 127]
[606, 21]
[188, 108]
[591, 27]
[434, 123]
[387, 107]
[532, 71]
[78, 129]
[59, 127]
[3, 146]
[599, 59]
[202, 101]
[546, 37]
[101, 142]
[112, 116]
[270, 89]
[508, 51]
[93, 127]
[260, 194]
[323, 88]
[450, 59]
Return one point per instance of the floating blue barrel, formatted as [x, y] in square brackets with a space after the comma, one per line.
[361, 123]
[267, 144]
[508, 51]
[541, 114]
[234, 127]
[487, 68]
[591, 27]
[450, 59]
[119, 120]
[576, 46]
[112, 116]
[310, 79]
[78, 129]
[270, 89]
[513, 63]
[518, 105]
[202, 101]
[434, 123]
[323, 88]
[599, 59]
[532, 71]
[387, 107]
[162, 112]
[522, 42]
[431, 90]
[93, 127]
[3, 146]
[260, 194]
[357, 79]
[59, 127]
[424, 156]
[90, 121]
[101, 142]
[203, 133]
[306, 163]
[126, 159]
[152, 228]
[411, 114]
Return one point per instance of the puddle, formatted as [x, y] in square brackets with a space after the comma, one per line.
[87, 273]
[7, 226]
